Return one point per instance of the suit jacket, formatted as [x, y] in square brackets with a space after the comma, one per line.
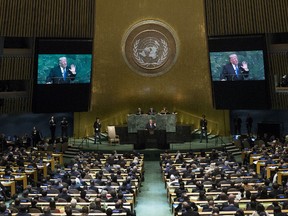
[36, 136]
[229, 73]
[203, 124]
[97, 127]
[230, 208]
[151, 127]
[190, 212]
[55, 76]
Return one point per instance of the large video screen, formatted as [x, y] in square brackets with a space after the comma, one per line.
[62, 71]
[64, 68]
[238, 67]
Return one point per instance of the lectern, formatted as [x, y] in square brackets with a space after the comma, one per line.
[158, 139]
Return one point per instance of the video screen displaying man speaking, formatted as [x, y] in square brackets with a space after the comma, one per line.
[64, 69]
[237, 66]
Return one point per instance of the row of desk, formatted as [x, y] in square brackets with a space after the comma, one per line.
[22, 177]
[269, 168]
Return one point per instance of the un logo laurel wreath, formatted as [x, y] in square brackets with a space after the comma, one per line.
[160, 60]
[150, 48]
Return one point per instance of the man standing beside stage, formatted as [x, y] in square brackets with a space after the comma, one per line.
[249, 122]
[36, 136]
[64, 128]
[52, 126]
[97, 130]
[203, 125]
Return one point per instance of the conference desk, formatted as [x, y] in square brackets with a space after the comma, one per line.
[9, 183]
[165, 122]
[18, 177]
[281, 174]
[57, 157]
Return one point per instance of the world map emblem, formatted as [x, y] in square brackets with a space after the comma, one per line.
[150, 48]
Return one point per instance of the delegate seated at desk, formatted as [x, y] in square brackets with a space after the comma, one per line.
[151, 126]
[151, 111]
[164, 111]
[139, 111]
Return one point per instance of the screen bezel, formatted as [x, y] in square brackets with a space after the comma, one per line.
[74, 97]
[247, 94]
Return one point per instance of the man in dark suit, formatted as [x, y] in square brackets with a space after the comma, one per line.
[36, 136]
[234, 70]
[64, 195]
[61, 74]
[64, 128]
[231, 205]
[151, 126]
[151, 111]
[187, 210]
[52, 127]
[203, 125]
[97, 130]
[139, 111]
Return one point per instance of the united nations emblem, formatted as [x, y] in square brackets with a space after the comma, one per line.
[150, 52]
[150, 48]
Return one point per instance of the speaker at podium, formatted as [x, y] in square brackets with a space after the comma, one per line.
[157, 139]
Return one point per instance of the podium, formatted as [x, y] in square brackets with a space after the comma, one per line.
[157, 139]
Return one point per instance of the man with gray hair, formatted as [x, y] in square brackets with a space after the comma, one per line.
[62, 73]
[234, 70]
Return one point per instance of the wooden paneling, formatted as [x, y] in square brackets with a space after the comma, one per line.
[248, 17]
[278, 67]
[16, 68]
[47, 18]
[34, 18]
[232, 17]
[16, 105]
[16, 18]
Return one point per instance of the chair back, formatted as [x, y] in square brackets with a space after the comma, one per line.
[58, 147]
[112, 136]
[64, 147]
[34, 210]
[111, 132]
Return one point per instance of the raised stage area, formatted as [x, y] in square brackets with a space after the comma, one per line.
[183, 133]
[87, 144]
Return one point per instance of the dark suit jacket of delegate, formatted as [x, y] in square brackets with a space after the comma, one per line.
[55, 76]
[229, 73]
[203, 124]
[150, 127]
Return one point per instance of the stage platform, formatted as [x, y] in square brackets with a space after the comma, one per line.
[87, 144]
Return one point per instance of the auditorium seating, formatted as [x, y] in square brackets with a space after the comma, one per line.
[204, 176]
[86, 167]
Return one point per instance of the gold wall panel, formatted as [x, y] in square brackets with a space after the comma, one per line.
[117, 90]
